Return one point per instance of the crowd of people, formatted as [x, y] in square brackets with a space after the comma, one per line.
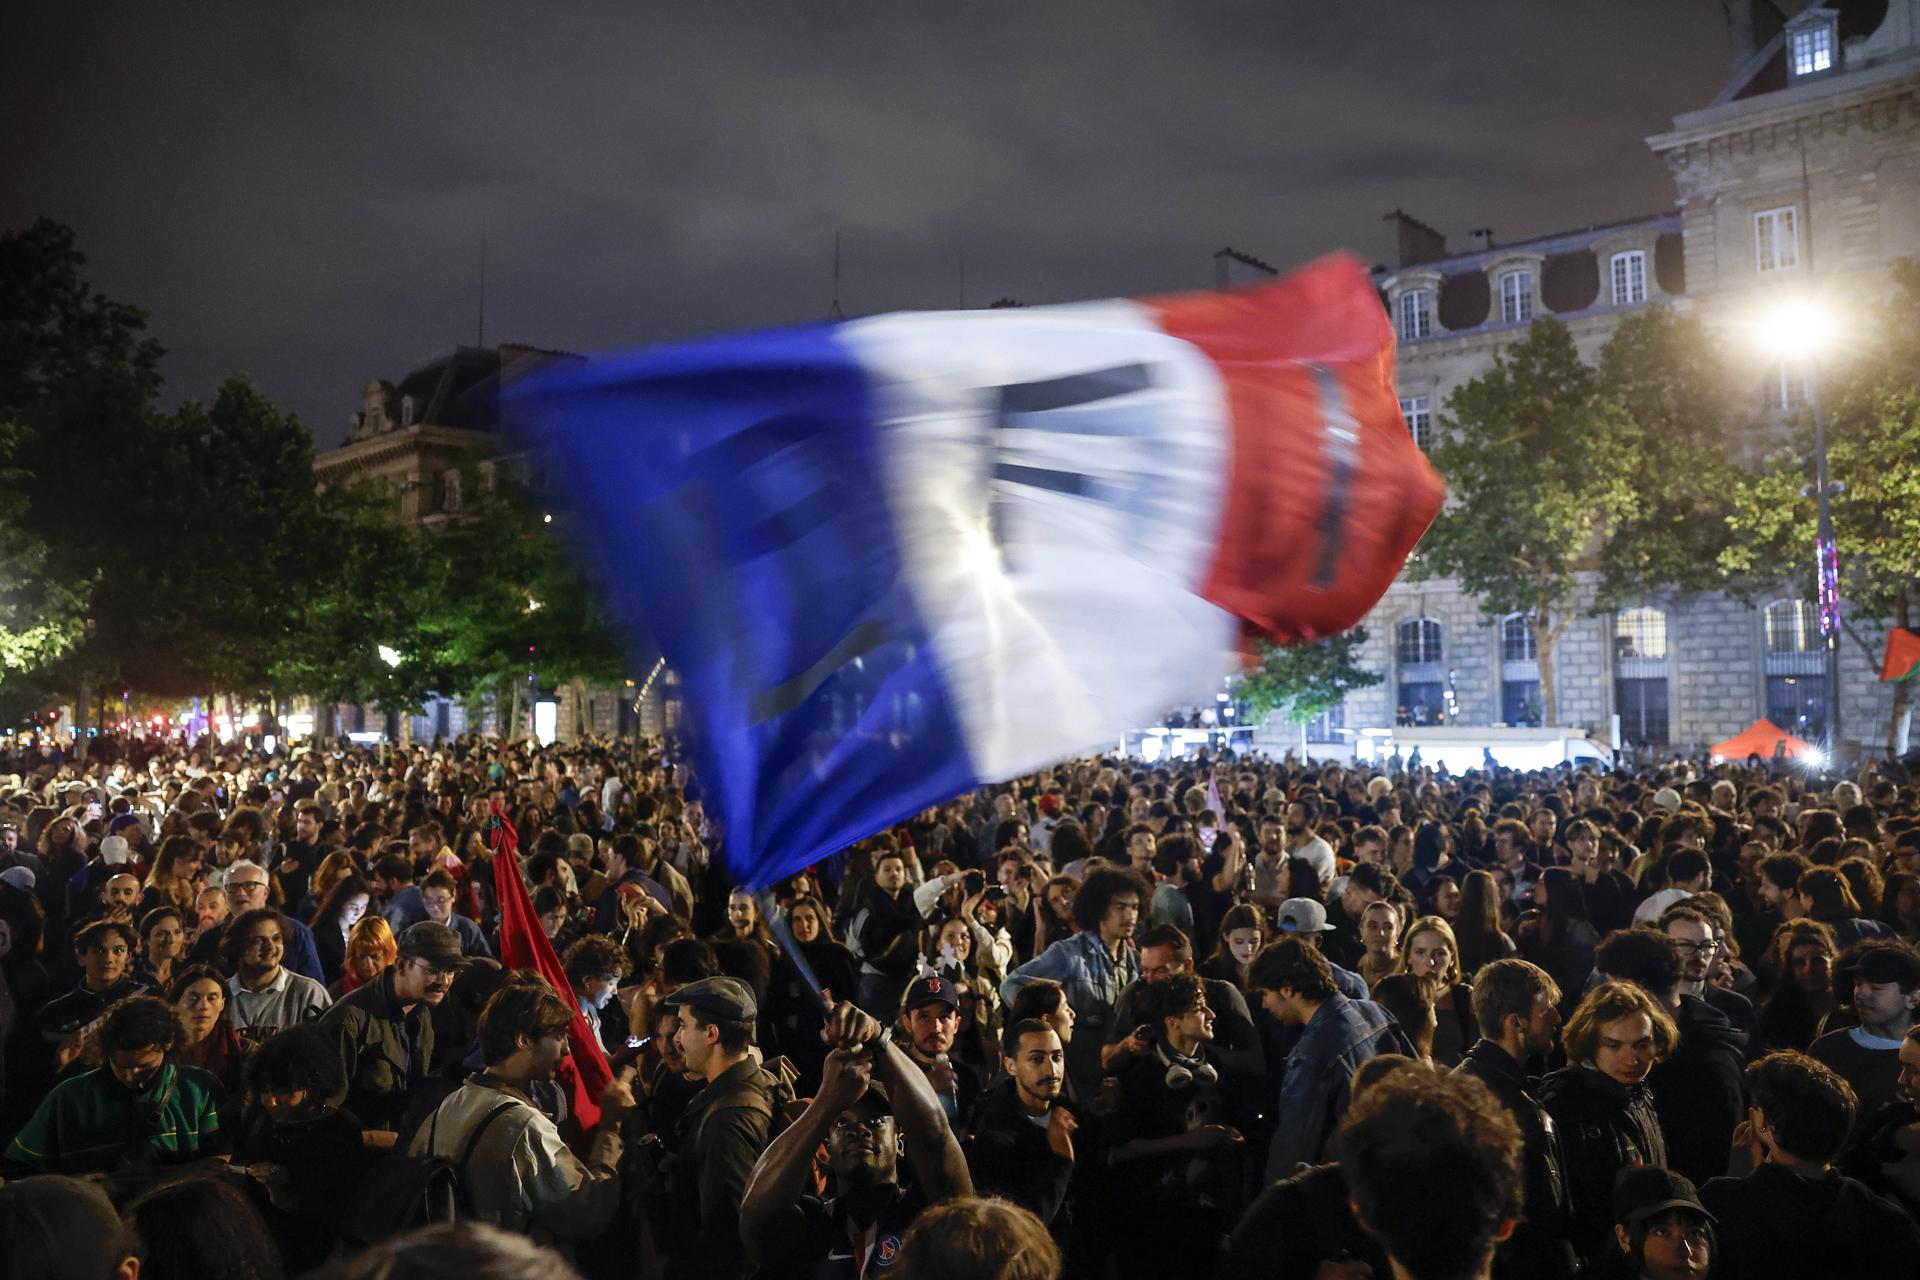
[1232, 1018]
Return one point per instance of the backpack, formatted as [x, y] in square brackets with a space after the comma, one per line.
[406, 1192]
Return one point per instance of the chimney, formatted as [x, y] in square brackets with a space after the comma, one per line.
[1418, 242]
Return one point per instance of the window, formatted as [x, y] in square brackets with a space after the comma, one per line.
[406, 411]
[1629, 278]
[1419, 641]
[1776, 240]
[1422, 702]
[1813, 50]
[1516, 640]
[1326, 726]
[1792, 627]
[1787, 387]
[1416, 314]
[1640, 633]
[1516, 297]
[1418, 412]
[1643, 710]
[1798, 704]
[1520, 703]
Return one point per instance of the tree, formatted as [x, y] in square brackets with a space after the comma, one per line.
[1306, 680]
[1537, 461]
[1873, 448]
[1686, 413]
[41, 616]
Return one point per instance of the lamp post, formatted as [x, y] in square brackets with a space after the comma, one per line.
[1800, 330]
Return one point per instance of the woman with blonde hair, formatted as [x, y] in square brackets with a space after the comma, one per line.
[1431, 955]
[371, 951]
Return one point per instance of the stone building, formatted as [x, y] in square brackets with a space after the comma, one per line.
[1803, 173]
[422, 438]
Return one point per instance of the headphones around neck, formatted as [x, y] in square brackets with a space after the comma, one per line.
[1183, 1072]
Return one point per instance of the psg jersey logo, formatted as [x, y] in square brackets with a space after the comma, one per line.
[886, 1251]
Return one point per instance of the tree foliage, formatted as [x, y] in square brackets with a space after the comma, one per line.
[1538, 462]
[1873, 449]
[1305, 680]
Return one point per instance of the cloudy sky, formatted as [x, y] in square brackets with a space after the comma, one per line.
[299, 191]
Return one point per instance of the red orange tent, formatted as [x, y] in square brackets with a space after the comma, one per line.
[1903, 656]
[1759, 739]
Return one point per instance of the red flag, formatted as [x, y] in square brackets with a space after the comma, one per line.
[525, 945]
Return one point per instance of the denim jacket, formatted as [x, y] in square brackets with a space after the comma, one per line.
[1341, 1035]
[1093, 980]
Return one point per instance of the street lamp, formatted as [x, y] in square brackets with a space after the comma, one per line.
[389, 655]
[1800, 329]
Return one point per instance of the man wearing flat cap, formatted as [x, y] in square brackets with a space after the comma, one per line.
[384, 1030]
[721, 1133]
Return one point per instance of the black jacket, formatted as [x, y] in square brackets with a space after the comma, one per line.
[1697, 1092]
[1777, 1223]
[885, 929]
[719, 1139]
[1009, 1157]
[1295, 1225]
[1604, 1127]
[1538, 1246]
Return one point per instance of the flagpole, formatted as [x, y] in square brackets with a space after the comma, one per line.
[769, 911]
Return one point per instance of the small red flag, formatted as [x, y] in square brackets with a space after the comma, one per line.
[525, 945]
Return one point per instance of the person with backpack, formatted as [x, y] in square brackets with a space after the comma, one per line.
[511, 1167]
[721, 1133]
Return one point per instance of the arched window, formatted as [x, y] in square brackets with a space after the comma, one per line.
[1516, 640]
[406, 411]
[1640, 633]
[1792, 627]
[1418, 641]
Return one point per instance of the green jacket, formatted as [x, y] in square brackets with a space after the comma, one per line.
[384, 1055]
[94, 1124]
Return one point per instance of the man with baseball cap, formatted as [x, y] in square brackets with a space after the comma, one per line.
[720, 1134]
[1885, 981]
[929, 1024]
[1307, 920]
[1663, 1230]
[856, 1231]
[384, 1030]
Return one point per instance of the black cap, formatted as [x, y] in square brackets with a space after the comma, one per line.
[930, 989]
[720, 998]
[1642, 1191]
[433, 942]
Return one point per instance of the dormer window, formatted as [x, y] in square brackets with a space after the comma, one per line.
[1811, 43]
[1416, 314]
[1516, 297]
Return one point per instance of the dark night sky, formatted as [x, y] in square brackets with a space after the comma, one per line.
[297, 191]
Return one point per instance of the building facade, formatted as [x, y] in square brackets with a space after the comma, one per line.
[421, 439]
[1804, 174]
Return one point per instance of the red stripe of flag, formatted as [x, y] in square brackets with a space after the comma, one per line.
[525, 945]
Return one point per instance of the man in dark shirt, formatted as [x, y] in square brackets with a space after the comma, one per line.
[856, 1232]
[1022, 1145]
[929, 1024]
[1517, 1007]
[105, 951]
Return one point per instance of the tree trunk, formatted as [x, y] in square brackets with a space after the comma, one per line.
[1543, 639]
[82, 708]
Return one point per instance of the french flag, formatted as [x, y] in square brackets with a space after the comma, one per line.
[898, 557]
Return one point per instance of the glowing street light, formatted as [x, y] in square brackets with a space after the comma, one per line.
[1798, 330]
[389, 655]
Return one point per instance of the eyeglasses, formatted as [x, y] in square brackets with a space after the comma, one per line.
[1710, 946]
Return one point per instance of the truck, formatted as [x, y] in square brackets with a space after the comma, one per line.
[1464, 747]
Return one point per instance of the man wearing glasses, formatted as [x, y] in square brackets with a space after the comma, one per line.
[384, 1030]
[246, 889]
[1696, 937]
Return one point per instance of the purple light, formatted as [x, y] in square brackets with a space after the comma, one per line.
[1827, 561]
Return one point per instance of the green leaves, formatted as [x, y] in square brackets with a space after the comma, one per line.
[1306, 680]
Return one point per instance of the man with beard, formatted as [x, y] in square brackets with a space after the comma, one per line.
[1022, 1146]
[1517, 1007]
[384, 1032]
[929, 1024]
[857, 1230]
[514, 1165]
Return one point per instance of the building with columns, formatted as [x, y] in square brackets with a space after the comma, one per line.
[1803, 172]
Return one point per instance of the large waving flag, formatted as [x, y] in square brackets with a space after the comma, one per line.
[897, 557]
[525, 945]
